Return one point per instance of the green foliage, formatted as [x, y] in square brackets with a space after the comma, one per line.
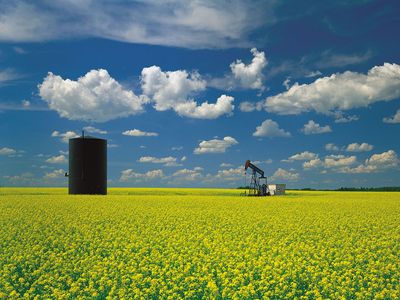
[198, 243]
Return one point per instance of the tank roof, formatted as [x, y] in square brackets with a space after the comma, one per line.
[87, 137]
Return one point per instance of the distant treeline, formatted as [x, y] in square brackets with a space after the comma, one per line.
[371, 189]
[348, 189]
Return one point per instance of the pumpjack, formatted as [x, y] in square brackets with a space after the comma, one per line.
[256, 187]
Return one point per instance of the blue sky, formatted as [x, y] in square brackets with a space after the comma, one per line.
[186, 92]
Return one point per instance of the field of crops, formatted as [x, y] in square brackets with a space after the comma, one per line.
[198, 243]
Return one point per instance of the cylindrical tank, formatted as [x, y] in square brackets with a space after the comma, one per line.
[87, 165]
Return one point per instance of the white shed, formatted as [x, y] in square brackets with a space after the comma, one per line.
[277, 189]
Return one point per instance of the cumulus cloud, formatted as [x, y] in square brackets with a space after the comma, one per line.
[7, 151]
[170, 88]
[55, 174]
[247, 106]
[376, 163]
[282, 174]
[92, 129]
[345, 164]
[187, 175]
[231, 174]
[250, 75]
[206, 110]
[215, 145]
[65, 136]
[176, 89]
[340, 117]
[306, 155]
[95, 96]
[394, 119]
[137, 132]
[331, 147]
[25, 103]
[314, 128]
[313, 163]
[59, 159]
[270, 128]
[340, 91]
[355, 147]
[168, 161]
[127, 175]
[196, 25]
[225, 165]
[332, 161]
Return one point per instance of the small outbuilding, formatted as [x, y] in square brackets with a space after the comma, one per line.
[277, 189]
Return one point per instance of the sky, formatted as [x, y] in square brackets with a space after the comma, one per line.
[186, 91]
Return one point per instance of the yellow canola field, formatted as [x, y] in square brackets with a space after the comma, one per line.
[198, 243]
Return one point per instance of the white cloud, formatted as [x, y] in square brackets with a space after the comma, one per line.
[231, 174]
[376, 163]
[329, 59]
[393, 120]
[187, 24]
[94, 97]
[341, 118]
[215, 145]
[313, 74]
[333, 161]
[9, 75]
[187, 175]
[285, 175]
[306, 155]
[341, 91]
[59, 159]
[175, 90]
[7, 151]
[25, 103]
[355, 147]
[183, 158]
[250, 76]
[65, 136]
[137, 132]
[383, 160]
[55, 174]
[247, 106]
[313, 163]
[92, 129]
[314, 128]
[168, 161]
[344, 164]
[268, 161]
[129, 174]
[270, 128]
[286, 82]
[331, 147]
[178, 148]
[206, 110]
[170, 88]
[225, 165]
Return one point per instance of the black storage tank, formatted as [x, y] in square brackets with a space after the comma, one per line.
[87, 165]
